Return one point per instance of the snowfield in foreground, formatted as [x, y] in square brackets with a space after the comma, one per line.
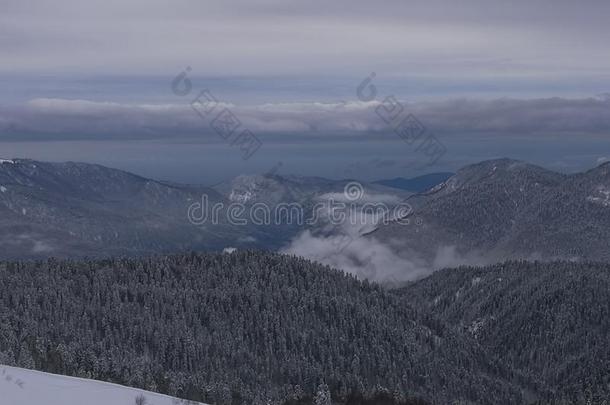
[19, 386]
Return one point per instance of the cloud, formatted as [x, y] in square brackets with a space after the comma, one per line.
[346, 246]
[519, 117]
[52, 118]
[468, 38]
[368, 258]
[362, 257]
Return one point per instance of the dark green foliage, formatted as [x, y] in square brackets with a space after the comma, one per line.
[380, 398]
[235, 328]
[550, 321]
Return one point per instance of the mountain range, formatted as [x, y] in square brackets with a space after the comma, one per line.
[250, 326]
[417, 184]
[79, 209]
[487, 212]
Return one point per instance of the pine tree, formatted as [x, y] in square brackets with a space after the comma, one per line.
[322, 395]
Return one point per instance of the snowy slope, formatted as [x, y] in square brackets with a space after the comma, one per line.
[19, 386]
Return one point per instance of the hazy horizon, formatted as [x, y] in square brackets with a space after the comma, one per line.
[101, 83]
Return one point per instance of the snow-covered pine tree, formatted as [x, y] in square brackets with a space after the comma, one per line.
[323, 395]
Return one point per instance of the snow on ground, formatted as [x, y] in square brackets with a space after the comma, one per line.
[19, 386]
[605, 196]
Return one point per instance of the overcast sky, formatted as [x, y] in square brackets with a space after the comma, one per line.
[431, 38]
[90, 71]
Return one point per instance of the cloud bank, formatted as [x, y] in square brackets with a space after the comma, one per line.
[47, 118]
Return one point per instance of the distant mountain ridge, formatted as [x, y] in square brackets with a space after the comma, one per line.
[501, 209]
[273, 189]
[416, 184]
[81, 209]
[486, 212]
[84, 209]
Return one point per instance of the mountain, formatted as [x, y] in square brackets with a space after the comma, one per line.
[243, 327]
[78, 209]
[572, 220]
[82, 209]
[20, 386]
[503, 209]
[546, 320]
[487, 212]
[416, 184]
[297, 205]
[275, 189]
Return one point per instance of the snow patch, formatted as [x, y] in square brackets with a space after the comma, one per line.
[27, 387]
[476, 326]
[3, 189]
[242, 197]
[602, 197]
[229, 250]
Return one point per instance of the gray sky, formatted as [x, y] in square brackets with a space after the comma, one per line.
[431, 38]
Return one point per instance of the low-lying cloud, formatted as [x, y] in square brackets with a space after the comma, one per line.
[365, 258]
[349, 246]
[368, 258]
[82, 119]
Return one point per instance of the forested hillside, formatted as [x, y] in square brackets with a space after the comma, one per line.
[506, 209]
[550, 321]
[240, 328]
